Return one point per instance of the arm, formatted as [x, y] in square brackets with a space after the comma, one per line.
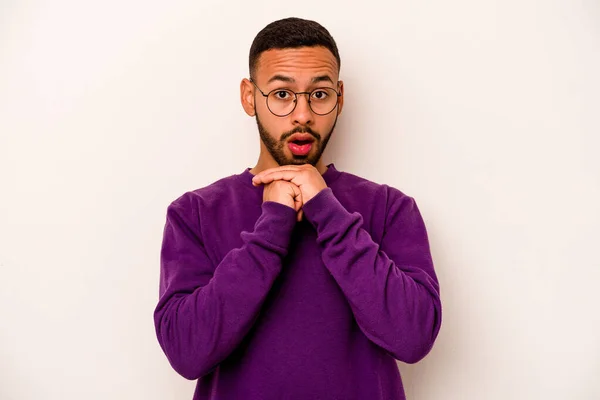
[204, 311]
[391, 288]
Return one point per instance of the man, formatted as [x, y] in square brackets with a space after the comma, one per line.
[294, 280]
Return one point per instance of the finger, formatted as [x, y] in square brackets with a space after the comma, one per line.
[286, 175]
[297, 199]
[268, 171]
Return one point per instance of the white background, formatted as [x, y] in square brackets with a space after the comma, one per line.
[487, 112]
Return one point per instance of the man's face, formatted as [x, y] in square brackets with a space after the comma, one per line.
[300, 70]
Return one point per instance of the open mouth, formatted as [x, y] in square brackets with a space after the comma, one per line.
[300, 147]
[302, 142]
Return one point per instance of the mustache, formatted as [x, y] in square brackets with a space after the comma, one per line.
[301, 129]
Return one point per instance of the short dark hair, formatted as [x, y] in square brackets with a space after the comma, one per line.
[291, 32]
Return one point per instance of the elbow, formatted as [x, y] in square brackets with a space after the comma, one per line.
[407, 351]
[190, 360]
[190, 370]
[415, 354]
[190, 365]
[413, 351]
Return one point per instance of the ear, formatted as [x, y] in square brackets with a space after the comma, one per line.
[247, 96]
[341, 97]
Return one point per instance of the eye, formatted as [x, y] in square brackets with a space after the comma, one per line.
[320, 94]
[282, 95]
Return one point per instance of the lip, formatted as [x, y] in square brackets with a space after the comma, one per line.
[300, 150]
[301, 136]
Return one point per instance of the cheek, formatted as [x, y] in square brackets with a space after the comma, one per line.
[325, 124]
[274, 125]
[261, 107]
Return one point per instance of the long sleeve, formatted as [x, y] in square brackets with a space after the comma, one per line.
[391, 287]
[204, 311]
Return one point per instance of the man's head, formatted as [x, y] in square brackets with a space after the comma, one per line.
[293, 55]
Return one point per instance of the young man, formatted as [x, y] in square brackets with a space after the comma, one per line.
[294, 280]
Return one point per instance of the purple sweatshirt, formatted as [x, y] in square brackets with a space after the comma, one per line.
[255, 305]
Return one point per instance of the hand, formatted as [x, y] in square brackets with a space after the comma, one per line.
[306, 177]
[285, 193]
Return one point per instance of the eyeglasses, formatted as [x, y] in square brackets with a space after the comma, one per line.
[282, 102]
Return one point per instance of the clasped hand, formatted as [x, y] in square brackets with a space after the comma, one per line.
[306, 178]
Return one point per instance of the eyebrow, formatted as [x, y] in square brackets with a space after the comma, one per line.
[283, 78]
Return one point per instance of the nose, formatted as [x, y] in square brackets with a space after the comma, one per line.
[302, 114]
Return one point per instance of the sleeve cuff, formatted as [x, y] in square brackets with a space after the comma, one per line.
[276, 223]
[323, 208]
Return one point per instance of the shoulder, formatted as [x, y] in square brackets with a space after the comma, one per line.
[363, 188]
[206, 196]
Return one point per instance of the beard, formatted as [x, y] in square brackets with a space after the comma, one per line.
[277, 147]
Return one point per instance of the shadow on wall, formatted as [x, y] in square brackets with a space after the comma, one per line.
[426, 378]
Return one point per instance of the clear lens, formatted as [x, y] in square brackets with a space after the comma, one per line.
[323, 101]
[282, 102]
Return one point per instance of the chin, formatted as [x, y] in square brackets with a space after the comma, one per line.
[305, 160]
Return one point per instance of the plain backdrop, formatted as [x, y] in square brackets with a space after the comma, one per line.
[486, 112]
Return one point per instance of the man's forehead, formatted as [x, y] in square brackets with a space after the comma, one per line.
[314, 64]
[290, 79]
